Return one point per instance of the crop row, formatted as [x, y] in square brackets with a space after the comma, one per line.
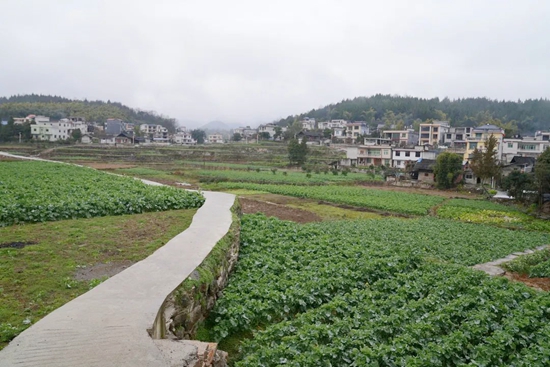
[286, 269]
[436, 315]
[41, 191]
[285, 177]
[399, 202]
[478, 211]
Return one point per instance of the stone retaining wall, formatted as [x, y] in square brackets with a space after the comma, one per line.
[189, 304]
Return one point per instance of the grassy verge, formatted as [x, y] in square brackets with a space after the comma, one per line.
[40, 277]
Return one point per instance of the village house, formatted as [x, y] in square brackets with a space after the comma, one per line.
[522, 147]
[479, 135]
[423, 171]
[311, 137]
[308, 123]
[46, 130]
[267, 128]
[401, 137]
[215, 139]
[403, 156]
[433, 134]
[184, 138]
[456, 137]
[356, 129]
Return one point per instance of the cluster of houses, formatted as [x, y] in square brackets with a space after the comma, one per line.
[416, 152]
[113, 131]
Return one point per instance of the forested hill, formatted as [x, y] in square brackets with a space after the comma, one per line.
[94, 111]
[529, 115]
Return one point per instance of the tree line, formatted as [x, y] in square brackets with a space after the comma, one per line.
[521, 117]
[93, 111]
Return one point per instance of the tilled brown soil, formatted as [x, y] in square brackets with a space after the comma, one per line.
[282, 212]
[537, 283]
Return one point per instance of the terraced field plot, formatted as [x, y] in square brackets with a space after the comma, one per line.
[390, 292]
[42, 191]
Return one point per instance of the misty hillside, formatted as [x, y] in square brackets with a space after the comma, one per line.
[94, 111]
[218, 126]
[529, 115]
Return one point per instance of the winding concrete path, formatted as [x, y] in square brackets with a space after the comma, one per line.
[108, 325]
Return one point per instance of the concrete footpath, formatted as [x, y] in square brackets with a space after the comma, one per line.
[108, 325]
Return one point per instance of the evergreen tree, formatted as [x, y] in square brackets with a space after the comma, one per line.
[484, 161]
[542, 176]
[447, 168]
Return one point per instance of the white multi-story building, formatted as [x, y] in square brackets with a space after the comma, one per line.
[183, 137]
[337, 123]
[46, 130]
[433, 134]
[158, 133]
[400, 156]
[308, 123]
[522, 147]
[268, 128]
[215, 139]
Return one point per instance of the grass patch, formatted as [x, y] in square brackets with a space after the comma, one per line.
[37, 279]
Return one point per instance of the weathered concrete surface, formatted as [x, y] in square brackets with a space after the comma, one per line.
[108, 325]
[493, 268]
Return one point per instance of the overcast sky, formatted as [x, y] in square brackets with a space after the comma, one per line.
[252, 61]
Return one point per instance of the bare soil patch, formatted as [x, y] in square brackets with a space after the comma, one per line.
[537, 283]
[99, 271]
[108, 165]
[415, 190]
[277, 210]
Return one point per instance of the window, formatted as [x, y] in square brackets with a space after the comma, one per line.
[478, 135]
[449, 136]
[386, 152]
[386, 162]
[425, 136]
[407, 154]
[426, 174]
[398, 154]
[425, 128]
[473, 145]
[528, 147]
[469, 177]
[435, 129]
[417, 154]
[403, 135]
[458, 136]
[510, 145]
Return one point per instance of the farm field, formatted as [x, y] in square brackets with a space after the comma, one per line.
[45, 265]
[477, 211]
[284, 177]
[348, 292]
[392, 201]
[41, 191]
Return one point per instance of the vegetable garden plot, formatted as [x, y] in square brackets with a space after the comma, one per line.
[478, 211]
[297, 281]
[43, 191]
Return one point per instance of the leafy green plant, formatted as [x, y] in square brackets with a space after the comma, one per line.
[42, 191]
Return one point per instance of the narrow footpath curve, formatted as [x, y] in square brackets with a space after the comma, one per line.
[107, 326]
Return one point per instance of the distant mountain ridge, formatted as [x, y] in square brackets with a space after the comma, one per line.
[218, 126]
[93, 111]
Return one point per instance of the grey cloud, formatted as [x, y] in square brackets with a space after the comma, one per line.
[253, 61]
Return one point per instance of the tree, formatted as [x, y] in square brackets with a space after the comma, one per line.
[327, 133]
[76, 135]
[447, 168]
[518, 185]
[542, 176]
[264, 135]
[484, 161]
[297, 152]
[237, 137]
[198, 135]
[278, 132]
